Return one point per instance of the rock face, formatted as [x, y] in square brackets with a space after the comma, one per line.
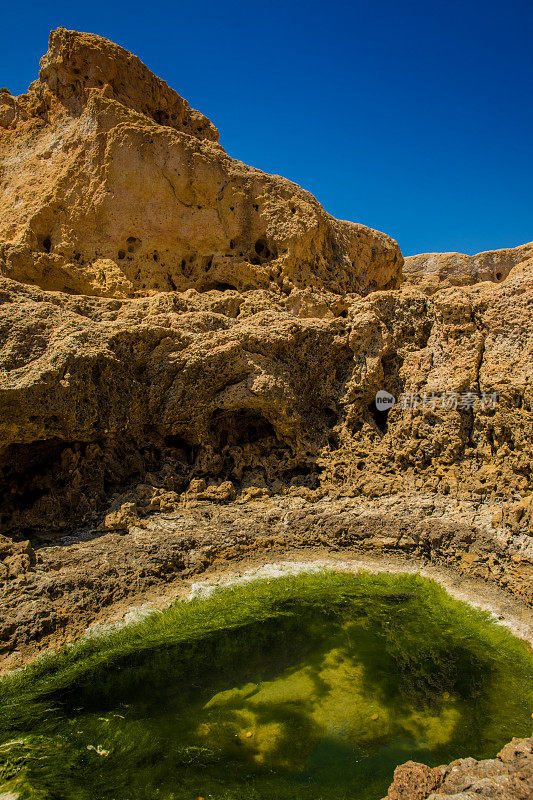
[99, 395]
[169, 314]
[113, 186]
[433, 271]
[179, 330]
[509, 776]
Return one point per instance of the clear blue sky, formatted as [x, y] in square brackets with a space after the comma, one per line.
[415, 118]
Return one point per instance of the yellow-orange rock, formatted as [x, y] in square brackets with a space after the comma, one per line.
[112, 185]
[433, 271]
[183, 368]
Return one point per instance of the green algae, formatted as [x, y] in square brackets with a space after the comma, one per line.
[306, 687]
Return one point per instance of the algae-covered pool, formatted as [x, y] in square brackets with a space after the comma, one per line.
[306, 687]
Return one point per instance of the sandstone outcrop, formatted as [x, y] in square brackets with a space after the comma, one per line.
[113, 186]
[190, 352]
[433, 271]
[509, 776]
[103, 395]
[171, 315]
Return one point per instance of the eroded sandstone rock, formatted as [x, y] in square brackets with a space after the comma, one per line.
[169, 315]
[112, 185]
[509, 776]
[242, 387]
[190, 352]
[433, 271]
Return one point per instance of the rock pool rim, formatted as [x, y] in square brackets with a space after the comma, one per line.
[503, 610]
[301, 580]
[487, 597]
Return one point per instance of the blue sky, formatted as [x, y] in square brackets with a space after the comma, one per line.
[415, 118]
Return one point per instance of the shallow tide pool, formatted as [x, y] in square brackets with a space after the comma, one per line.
[310, 687]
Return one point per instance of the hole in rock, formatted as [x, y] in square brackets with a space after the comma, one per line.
[263, 250]
[46, 244]
[498, 276]
[175, 440]
[379, 416]
[334, 441]
[305, 475]
[133, 244]
[240, 428]
[296, 688]
[26, 479]
[219, 286]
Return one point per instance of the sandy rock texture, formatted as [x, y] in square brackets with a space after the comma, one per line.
[54, 588]
[509, 776]
[103, 399]
[433, 271]
[168, 315]
[190, 351]
[113, 186]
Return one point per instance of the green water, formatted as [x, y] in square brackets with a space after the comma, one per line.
[308, 687]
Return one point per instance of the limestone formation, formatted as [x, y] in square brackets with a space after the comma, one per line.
[185, 338]
[113, 186]
[97, 394]
[433, 271]
[169, 314]
[509, 776]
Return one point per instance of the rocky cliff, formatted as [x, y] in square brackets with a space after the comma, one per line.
[432, 272]
[113, 186]
[179, 330]
[169, 314]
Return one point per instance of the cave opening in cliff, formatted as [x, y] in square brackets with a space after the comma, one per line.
[26, 479]
[294, 686]
[180, 448]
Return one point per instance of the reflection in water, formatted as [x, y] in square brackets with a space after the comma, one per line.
[310, 687]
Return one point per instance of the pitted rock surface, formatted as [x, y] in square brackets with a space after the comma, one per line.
[190, 351]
